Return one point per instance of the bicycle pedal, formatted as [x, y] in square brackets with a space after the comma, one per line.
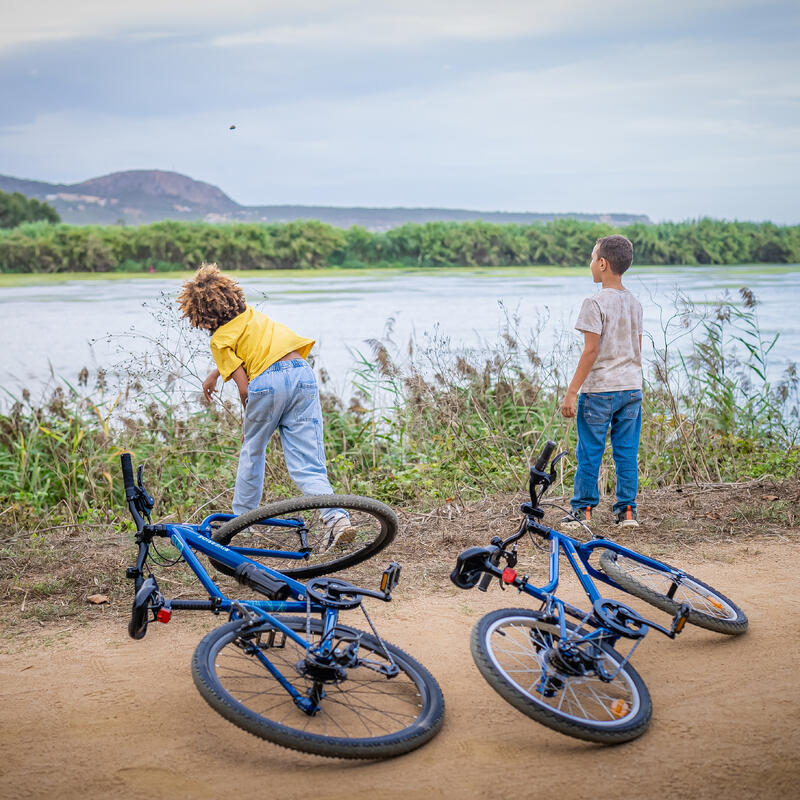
[390, 577]
[275, 640]
[680, 619]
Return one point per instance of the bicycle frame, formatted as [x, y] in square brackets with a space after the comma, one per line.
[204, 528]
[578, 555]
[189, 541]
[610, 619]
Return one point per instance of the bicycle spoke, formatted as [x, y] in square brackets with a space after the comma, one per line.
[365, 703]
[519, 648]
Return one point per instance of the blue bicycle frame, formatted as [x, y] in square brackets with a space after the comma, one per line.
[298, 525]
[188, 541]
[578, 555]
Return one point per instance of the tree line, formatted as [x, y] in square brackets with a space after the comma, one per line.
[16, 208]
[52, 247]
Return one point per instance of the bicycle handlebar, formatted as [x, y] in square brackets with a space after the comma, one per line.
[544, 456]
[127, 474]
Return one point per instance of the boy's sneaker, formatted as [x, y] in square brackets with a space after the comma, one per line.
[577, 519]
[339, 531]
[626, 518]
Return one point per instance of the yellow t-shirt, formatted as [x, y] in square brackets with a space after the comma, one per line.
[254, 340]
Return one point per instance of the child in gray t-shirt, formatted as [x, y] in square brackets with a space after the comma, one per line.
[609, 378]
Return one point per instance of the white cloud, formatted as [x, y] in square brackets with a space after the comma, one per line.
[592, 136]
[316, 22]
[682, 128]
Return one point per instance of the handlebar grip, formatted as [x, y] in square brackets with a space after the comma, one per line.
[127, 471]
[544, 456]
[486, 579]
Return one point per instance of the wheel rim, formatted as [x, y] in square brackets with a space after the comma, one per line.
[366, 706]
[700, 598]
[366, 530]
[519, 647]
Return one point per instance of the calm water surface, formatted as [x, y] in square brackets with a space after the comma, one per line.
[57, 329]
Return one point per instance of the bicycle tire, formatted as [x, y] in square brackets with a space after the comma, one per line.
[375, 524]
[228, 679]
[510, 649]
[718, 614]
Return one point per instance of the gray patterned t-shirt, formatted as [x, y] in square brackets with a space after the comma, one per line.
[617, 317]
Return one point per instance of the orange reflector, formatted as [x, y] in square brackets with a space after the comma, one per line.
[715, 603]
[619, 708]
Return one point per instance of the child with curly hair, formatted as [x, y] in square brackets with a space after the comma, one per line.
[266, 361]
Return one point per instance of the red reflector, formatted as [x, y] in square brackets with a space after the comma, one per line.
[509, 575]
[164, 615]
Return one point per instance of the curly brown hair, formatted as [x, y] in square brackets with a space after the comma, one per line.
[211, 298]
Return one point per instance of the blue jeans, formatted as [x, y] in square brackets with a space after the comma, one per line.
[597, 411]
[283, 397]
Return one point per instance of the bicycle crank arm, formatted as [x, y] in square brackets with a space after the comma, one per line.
[389, 670]
[678, 622]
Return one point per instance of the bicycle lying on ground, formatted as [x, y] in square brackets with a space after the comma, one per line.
[285, 668]
[567, 675]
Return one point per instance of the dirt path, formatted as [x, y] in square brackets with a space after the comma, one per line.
[93, 714]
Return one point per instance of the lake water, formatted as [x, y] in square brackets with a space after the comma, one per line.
[56, 329]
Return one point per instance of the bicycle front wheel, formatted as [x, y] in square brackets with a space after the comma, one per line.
[516, 651]
[363, 713]
[667, 590]
[288, 525]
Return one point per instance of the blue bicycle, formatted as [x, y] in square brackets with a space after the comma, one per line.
[566, 674]
[284, 668]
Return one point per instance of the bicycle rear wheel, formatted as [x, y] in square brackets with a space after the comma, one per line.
[667, 590]
[365, 714]
[373, 526]
[514, 649]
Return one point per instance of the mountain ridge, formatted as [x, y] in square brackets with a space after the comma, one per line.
[145, 196]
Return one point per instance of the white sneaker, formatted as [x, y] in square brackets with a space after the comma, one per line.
[340, 531]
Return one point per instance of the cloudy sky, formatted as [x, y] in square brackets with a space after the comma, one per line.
[674, 109]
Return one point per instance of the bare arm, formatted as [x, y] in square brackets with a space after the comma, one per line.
[210, 384]
[240, 379]
[591, 345]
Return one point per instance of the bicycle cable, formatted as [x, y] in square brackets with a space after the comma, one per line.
[163, 560]
[568, 512]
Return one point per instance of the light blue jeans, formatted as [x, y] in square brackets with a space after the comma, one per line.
[597, 412]
[283, 397]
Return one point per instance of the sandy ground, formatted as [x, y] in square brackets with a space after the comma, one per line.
[90, 713]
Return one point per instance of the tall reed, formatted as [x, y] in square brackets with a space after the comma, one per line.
[428, 421]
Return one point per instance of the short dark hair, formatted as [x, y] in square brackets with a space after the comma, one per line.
[211, 298]
[617, 250]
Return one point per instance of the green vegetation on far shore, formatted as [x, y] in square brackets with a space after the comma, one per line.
[16, 209]
[167, 247]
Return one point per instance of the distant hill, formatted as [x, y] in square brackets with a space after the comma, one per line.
[141, 196]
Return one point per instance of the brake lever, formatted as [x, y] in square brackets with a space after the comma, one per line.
[147, 500]
[554, 462]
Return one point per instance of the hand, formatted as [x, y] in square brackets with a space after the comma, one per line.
[569, 408]
[210, 386]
